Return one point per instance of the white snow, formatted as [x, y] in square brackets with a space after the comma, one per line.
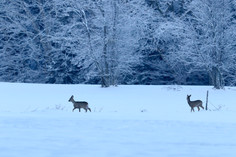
[126, 121]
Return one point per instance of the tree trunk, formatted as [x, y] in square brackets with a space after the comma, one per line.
[105, 74]
[113, 46]
[216, 77]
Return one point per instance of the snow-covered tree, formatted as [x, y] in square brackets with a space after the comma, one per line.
[108, 34]
[34, 46]
[202, 40]
[118, 41]
[215, 23]
[22, 33]
[156, 67]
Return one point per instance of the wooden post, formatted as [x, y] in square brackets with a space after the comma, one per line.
[207, 99]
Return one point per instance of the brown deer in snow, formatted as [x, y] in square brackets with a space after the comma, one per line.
[196, 103]
[79, 104]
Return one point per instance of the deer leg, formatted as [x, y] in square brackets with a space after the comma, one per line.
[85, 110]
[79, 109]
[198, 108]
[73, 109]
[192, 109]
[89, 109]
[202, 107]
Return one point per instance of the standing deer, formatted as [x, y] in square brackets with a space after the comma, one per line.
[196, 103]
[79, 104]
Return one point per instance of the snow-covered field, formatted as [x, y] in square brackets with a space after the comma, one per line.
[126, 121]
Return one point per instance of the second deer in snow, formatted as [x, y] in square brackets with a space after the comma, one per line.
[79, 104]
[196, 103]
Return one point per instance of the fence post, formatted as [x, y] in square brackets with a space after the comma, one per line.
[207, 99]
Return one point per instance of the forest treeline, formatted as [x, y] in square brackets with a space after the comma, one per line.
[110, 42]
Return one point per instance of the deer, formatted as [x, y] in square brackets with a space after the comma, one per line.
[196, 103]
[79, 104]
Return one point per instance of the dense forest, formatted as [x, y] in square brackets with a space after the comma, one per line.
[110, 42]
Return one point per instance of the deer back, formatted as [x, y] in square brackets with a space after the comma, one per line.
[80, 104]
[195, 103]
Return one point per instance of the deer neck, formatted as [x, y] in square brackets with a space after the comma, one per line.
[72, 100]
[189, 101]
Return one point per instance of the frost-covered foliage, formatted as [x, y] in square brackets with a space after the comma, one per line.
[107, 41]
[118, 41]
[202, 40]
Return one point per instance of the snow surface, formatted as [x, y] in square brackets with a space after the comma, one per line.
[126, 121]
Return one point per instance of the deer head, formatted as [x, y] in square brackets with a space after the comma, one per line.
[71, 98]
